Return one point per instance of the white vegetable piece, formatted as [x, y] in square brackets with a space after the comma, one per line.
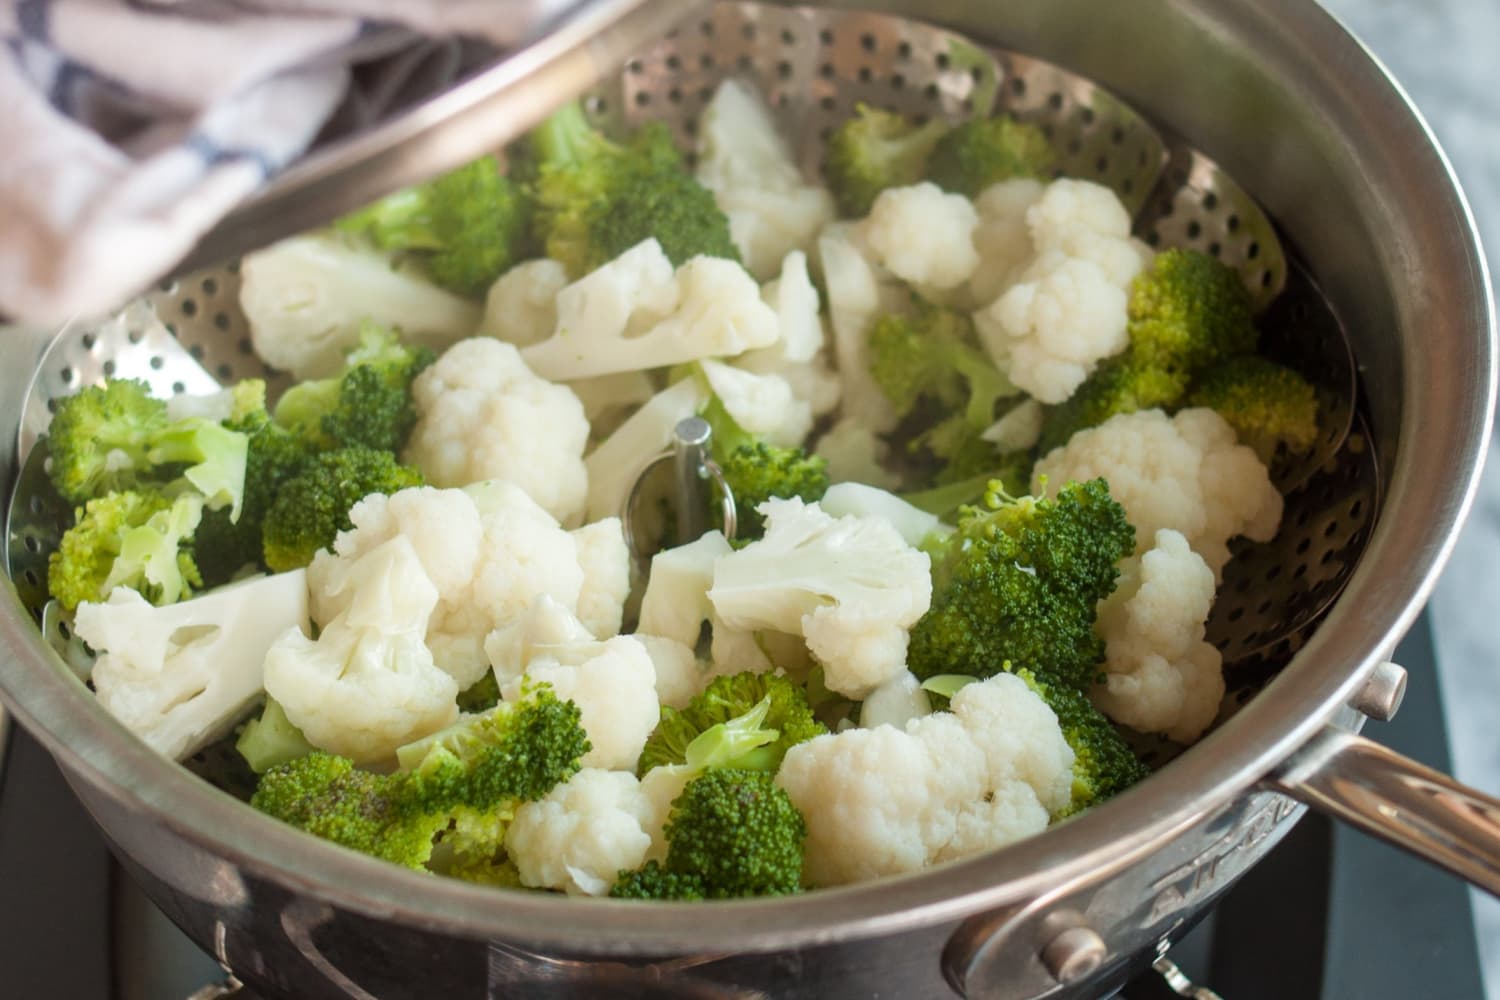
[604, 559]
[367, 684]
[856, 296]
[914, 524]
[764, 405]
[629, 315]
[609, 400]
[1087, 221]
[924, 235]
[799, 356]
[179, 676]
[745, 162]
[1002, 239]
[1019, 429]
[1161, 676]
[850, 586]
[679, 675]
[521, 306]
[1185, 472]
[855, 455]
[895, 703]
[676, 603]
[583, 834]
[482, 414]
[617, 462]
[885, 801]
[1051, 329]
[612, 682]
[305, 299]
[490, 551]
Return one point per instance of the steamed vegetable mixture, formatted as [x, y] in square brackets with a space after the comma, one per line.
[988, 451]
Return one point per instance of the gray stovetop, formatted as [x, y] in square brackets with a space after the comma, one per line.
[1443, 52]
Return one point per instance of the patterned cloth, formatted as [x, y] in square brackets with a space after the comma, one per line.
[132, 126]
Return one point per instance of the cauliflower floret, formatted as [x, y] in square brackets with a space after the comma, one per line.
[749, 168]
[1160, 674]
[521, 307]
[583, 834]
[924, 235]
[492, 552]
[1050, 329]
[1087, 221]
[885, 801]
[630, 315]
[613, 683]
[307, 298]
[482, 414]
[368, 683]
[855, 454]
[1002, 238]
[850, 586]
[676, 606]
[1183, 472]
[914, 524]
[763, 405]
[679, 674]
[179, 676]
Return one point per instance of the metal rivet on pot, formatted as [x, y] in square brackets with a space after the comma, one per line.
[1074, 954]
[1380, 695]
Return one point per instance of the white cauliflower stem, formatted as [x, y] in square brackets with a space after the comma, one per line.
[482, 414]
[885, 801]
[367, 684]
[179, 676]
[521, 307]
[850, 586]
[1183, 472]
[1160, 674]
[630, 315]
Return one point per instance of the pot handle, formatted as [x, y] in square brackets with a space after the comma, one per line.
[1392, 797]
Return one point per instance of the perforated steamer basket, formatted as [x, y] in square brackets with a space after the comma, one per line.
[1284, 101]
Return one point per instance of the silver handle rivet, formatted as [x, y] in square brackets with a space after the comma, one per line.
[1380, 695]
[1074, 954]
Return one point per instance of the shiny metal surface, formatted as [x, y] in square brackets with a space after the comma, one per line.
[1393, 798]
[1365, 198]
[1380, 697]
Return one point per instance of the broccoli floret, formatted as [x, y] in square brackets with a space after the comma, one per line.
[129, 539]
[738, 833]
[596, 198]
[653, 881]
[447, 806]
[222, 547]
[1103, 764]
[313, 506]
[1012, 469]
[1189, 310]
[270, 739]
[117, 437]
[1270, 407]
[99, 437]
[874, 150]
[747, 720]
[983, 151]
[375, 814]
[1122, 384]
[368, 404]
[756, 471]
[943, 386]
[1019, 581]
[468, 226]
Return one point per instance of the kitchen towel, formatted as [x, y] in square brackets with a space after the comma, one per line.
[134, 125]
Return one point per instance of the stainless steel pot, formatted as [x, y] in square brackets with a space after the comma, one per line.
[1282, 97]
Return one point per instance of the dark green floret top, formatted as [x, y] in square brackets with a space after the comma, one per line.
[749, 739]
[757, 470]
[1271, 408]
[1103, 765]
[1019, 581]
[874, 150]
[984, 151]
[313, 506]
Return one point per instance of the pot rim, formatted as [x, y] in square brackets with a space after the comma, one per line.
[1373, 613]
